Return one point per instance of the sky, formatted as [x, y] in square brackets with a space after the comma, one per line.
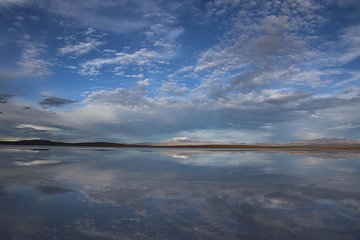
[144, 71]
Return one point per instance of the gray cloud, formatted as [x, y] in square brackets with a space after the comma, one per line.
[32, 60]
[328, 102]
[11, 3]
[133, 115]
[5, 97]
[50, 101]
[121, 96]
[124, 17]
[288, 98]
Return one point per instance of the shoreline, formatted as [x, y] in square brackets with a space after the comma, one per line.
[230, 147]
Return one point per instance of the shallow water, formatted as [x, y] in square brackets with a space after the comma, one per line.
[83, 193]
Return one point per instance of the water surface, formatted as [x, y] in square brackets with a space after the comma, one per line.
[107, 193]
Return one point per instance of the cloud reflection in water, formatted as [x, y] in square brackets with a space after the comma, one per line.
[145, 194]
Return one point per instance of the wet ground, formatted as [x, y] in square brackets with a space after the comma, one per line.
[83, 193]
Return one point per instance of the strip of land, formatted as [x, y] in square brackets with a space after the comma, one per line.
[290, 146]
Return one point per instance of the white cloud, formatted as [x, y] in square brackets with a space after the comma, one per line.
[228, 136]
[135, 115]
[141, 57]
[37, 127]
[31, 62]
[80, 48]
[121, 73]
[165, 38]
[94, 13]
[125, 97]
[184, 69]
[173, 88]
[36, 163]
[7, 3]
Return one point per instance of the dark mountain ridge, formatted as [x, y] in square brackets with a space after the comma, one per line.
[325, 144]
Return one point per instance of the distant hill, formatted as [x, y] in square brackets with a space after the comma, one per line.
[315, 144]
[52, 143]
[337, 141]
[33, 142]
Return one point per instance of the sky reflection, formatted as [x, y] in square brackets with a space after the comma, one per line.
[151, 194]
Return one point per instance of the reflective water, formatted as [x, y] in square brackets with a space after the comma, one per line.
[81, 193]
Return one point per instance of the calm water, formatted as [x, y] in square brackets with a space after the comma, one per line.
[79, 193]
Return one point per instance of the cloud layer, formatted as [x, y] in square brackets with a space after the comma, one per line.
[233, 70]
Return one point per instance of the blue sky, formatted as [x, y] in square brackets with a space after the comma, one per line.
[222, 70]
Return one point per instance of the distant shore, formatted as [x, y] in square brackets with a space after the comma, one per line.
[303, 147]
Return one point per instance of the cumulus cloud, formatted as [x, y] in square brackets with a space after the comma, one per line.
[268, 41]
[262, 47]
